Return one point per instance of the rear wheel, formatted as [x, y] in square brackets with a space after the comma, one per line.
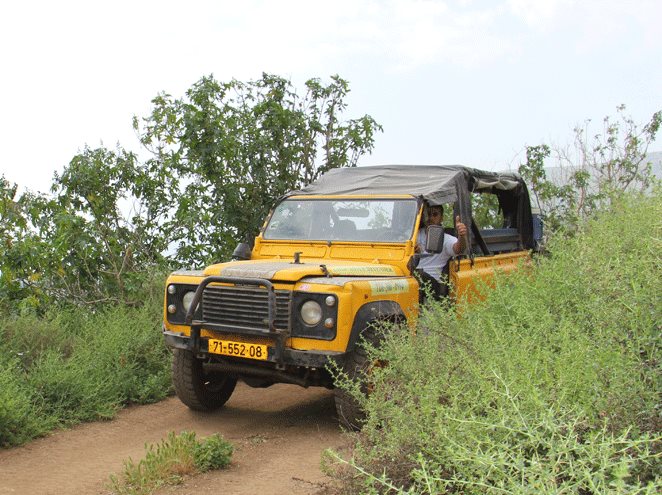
[199, 390]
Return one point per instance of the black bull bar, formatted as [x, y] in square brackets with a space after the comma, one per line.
[279, 336]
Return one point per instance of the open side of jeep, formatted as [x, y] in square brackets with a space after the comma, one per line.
[331, 260]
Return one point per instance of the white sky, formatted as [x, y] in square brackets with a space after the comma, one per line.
[457, 81]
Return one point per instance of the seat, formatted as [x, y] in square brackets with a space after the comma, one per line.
[344, 229]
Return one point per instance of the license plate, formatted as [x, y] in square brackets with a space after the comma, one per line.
[238, 349]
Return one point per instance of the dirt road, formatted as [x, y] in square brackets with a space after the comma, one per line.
[278, 434]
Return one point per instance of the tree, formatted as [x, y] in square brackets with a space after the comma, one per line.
[104, 225]
[92, 241]
[221, 156]
[591, 173]
[13, 225]
[231, 149]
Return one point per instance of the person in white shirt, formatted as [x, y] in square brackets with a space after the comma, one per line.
[430, 267]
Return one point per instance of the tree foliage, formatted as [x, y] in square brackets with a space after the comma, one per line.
[233, 147]
[219, 157]
[92, 238]
[591, 173]
[486, 211]
[13, 226]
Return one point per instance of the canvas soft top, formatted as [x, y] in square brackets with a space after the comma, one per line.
[436, 184]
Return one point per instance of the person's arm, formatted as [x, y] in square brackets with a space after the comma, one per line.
[420, 246]
[461, 243]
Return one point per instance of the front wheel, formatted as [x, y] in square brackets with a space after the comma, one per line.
[357, 367]
[199, 390]
[350, 413]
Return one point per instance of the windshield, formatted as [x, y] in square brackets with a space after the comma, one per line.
[381, 220]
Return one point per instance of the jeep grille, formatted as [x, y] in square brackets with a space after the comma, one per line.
[244, 307]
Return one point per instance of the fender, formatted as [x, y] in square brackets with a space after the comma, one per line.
[370, 312]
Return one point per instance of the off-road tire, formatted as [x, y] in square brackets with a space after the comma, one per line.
[197, 389]
[357, 368]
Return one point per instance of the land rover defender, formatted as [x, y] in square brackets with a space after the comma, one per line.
[331, 260]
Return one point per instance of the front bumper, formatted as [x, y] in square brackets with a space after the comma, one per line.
[277, 336]
[287, 356]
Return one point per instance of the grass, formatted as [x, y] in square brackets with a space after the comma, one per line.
[551, 385]
[170, 461]
[71, 366]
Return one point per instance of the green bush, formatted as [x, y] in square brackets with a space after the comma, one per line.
[169, 461]
[28, 336]
[213, 453]
[20, 418]
[72, 365]
[550, 385]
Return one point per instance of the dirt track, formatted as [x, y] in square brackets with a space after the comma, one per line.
[278, 434]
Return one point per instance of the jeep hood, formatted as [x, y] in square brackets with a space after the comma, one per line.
[288, 271]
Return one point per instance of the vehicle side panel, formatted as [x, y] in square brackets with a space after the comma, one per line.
[466, 275]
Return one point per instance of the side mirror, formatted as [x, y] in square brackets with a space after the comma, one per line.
[435, 239]
[242, 252]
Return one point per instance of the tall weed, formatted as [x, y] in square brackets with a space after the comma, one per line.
[74, 365]
[550, 385]
[168, 462]
[20, 416]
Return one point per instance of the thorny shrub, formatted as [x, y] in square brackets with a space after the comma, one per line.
[550, 385]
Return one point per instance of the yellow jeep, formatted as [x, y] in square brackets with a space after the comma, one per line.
[330, 261]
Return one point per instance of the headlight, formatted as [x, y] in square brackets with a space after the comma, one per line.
[187, 300]
[311, 312]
